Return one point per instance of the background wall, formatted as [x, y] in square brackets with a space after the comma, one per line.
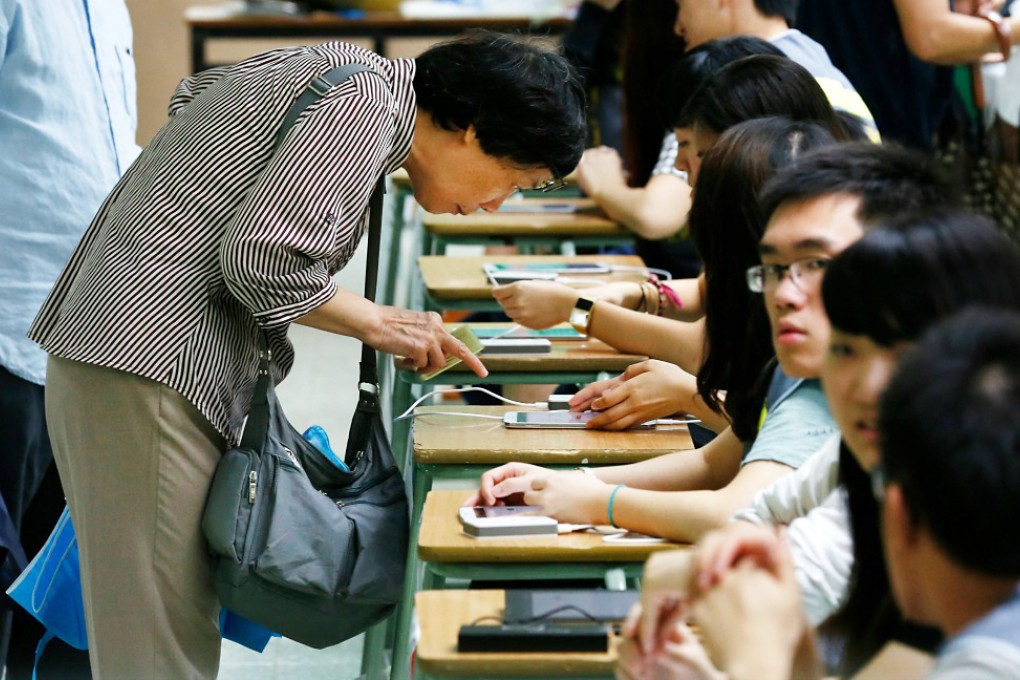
[162, 55]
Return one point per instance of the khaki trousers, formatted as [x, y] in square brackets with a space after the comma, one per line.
[136, 459]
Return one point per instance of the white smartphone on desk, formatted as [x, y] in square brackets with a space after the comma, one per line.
[506, 520]
[556, 419]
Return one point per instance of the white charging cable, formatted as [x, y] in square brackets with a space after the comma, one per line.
[409, 413]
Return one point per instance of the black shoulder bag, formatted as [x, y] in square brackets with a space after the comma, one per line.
[300, 546]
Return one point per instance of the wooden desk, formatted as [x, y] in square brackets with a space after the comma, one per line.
[526, 226]
[445, 552]
[571, 361]
[458, 441]
[207, 24]
[442, 540]
[442, 613]
[460, 283]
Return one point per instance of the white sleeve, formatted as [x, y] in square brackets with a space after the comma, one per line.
[794, 495]
[823, 554]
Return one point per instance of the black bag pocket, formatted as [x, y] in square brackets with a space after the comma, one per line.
[228, 512]
[312, 545]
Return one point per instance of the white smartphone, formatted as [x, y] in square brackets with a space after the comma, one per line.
[556, 419]
[506, 520]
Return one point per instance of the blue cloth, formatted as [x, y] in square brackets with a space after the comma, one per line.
[67, 132]
[797, 422]
[50, 590]
[988, 649]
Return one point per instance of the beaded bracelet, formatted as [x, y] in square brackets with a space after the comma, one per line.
[667, 296]
[612, 497]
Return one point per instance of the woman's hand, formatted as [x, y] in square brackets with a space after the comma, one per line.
[536, 304]
[645, 391]
[599, 168]
[422, 339]
[571, 497]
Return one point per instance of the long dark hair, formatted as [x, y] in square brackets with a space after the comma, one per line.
[690, 71]
[649, 47]
[726, 224]
[890, 286]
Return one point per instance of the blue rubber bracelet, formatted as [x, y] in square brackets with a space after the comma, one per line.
[612, 497]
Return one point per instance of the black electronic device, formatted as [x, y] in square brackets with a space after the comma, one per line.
[579, 605]
[534, 637]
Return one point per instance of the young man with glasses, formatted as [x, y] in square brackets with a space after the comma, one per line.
[874, 315]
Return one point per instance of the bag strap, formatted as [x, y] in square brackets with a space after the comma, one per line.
[257, 424]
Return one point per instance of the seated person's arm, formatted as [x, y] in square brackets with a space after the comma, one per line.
[687, 515]
[655, 211]
[646, 391]
[936, 34]
[540, 304]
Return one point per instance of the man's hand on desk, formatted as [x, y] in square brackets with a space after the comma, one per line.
[571, 497]
[645, 391]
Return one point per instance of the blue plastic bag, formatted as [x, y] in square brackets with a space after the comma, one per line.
[320, 440]
[50, 586]
[50, 590]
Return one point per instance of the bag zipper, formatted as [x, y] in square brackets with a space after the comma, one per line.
[253, 481]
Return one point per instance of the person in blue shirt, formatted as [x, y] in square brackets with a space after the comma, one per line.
[67, 133]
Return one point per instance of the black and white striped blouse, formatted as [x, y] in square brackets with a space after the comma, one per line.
[210, 236]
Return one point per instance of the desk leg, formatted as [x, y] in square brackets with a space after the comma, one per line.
[421, 483]
[373, 652]
[403, 397]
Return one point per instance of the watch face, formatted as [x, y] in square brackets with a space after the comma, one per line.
[584, 304]
[579, 320]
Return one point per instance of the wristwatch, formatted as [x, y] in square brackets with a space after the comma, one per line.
[580, 315]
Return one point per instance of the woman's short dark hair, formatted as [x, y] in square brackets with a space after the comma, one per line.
[691, 70]
[758, 86]
[967, 366]
[918, 268]
[725, 225]
[525, 102]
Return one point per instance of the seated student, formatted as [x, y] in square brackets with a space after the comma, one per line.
[639, 185]
[954, 569]
[706, 485]
[780, 87]
[656, 209]
[651, 209]
[881, 294]
[772, 20]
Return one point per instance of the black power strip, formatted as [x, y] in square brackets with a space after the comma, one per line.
[534, 637]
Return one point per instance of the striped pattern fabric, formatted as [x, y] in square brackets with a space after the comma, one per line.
[210, 236]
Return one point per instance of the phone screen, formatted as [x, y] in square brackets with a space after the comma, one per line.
[562, 418]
